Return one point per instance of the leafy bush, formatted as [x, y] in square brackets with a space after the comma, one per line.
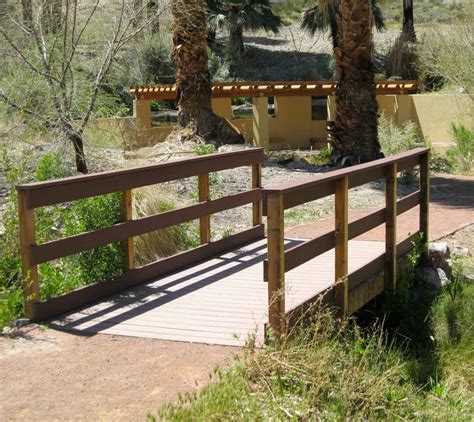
[204, 149]
[395, 139]
[54, 222]
[461, 155]
[446, 55]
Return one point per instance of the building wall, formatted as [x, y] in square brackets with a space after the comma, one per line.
[293, 127]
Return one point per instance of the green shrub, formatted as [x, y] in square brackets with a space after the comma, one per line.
[395, 139]
[54, 222]
[461, 155]
[204, 149]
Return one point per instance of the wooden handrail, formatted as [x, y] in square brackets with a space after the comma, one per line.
[40, 194]
[284, 196]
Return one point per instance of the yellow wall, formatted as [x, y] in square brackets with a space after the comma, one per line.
[293, 127]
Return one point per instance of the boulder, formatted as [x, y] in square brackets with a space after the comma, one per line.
[434, 277]
[234, 147]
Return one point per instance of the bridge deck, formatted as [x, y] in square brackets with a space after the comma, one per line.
[220, 301]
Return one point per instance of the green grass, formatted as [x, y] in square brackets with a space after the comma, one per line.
[353, 370]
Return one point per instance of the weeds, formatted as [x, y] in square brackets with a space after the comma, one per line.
[461, 156]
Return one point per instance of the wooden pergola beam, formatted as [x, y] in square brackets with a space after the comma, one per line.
[269, 89]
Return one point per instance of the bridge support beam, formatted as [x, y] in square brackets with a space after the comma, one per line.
[276, 264]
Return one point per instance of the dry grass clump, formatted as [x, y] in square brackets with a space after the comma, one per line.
[165, 242]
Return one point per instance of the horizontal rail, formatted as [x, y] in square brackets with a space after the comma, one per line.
[53, 192]
[122, 231]
[304, 252]
[80, 297]
[317, 187]
[266, 88]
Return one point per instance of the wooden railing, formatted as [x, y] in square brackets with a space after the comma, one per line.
[350, 291]
[35, 195]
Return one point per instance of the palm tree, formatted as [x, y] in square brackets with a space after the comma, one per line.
[355, 138]
[408, 22]
[323, 16]
[193, 80]
[237, 16]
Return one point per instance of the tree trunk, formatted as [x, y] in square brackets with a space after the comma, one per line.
[78, 144]
[193, 80]
[355, 138]
[152, 9]
[27, 12]
[236, 40]
[408, 22]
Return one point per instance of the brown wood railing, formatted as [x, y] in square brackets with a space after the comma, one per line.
[351, 291]
[35, 195]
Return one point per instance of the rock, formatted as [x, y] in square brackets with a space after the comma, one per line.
[439, 253]
[21, 322]
[234, 147]
[434, 277]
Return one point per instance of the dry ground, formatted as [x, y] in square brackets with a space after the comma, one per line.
[48, 375]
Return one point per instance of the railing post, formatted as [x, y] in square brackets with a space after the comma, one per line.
[204, 222]
[31, 290]
[276, 263]
[391, 227]
[257, 183]
[424, 196]
[342, 240]
[127, 215]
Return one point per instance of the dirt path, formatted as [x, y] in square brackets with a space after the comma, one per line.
[47, 375]
[451, 208]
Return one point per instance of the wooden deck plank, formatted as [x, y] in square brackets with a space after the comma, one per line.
[220, 301]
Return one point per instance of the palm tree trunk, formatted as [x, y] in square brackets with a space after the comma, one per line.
[355, 130]
[236, 39]
[408, 21]
[193, 80]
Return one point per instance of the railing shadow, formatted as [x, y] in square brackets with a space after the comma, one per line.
[138, 295]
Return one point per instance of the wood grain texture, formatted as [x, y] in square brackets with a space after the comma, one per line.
[391, 227]
[276, 264]
[257, 184]
[341, 242]
[128, 244]
[204, 196]
[30, 280]
[219, 301]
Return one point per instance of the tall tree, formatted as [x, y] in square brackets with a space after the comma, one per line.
[355, 137]
[70, 95]
[193, 79]
[323, 16]
[237, 16]
[408, 21]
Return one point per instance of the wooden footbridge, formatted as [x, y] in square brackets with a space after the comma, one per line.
[223, 291]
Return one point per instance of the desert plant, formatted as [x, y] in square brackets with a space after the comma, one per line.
[237, 16]
[461, 155]
[323, 16]
[395, 139]
[446, 55]
[165, 242]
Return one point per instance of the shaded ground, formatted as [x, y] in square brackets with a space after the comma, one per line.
[50, 375]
